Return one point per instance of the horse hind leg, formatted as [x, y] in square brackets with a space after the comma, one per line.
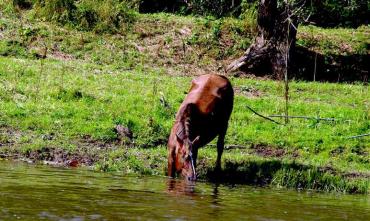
[220, 148]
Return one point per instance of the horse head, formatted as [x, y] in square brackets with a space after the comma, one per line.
[184, 161]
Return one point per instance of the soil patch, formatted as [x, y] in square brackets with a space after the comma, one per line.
[87, 150]
[354, 175]
[269, 151]
[8, 136]
[61, 56]
[249, 92]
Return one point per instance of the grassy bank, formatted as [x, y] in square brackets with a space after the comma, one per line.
[179, 45]
[63, 109]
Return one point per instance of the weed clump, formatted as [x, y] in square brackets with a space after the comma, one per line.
[313, 178]
[111, 16]
[104, 16]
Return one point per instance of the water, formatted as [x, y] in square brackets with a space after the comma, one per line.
[30, 192]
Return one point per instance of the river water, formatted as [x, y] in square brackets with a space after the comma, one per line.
[35, 192]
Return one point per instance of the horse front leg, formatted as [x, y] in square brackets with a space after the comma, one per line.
[171, 162]
[195, 156]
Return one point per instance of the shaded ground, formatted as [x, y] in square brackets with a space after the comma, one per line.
[310, 65]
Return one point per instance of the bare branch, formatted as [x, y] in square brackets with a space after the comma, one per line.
[358, 136]
[267, 118]
[231, 146]
[237, 64]
[308, 118]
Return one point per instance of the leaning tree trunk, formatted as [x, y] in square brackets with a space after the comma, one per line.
[274, 43]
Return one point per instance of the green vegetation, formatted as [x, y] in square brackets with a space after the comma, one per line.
[342, 13]
[101, 16]
[65, 107]
[339, 41]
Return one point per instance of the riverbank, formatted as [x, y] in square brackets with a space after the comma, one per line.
[63, 92]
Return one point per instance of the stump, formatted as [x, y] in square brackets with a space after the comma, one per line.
[274, 43]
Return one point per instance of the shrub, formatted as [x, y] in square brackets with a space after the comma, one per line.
[104, 16]
[150, 6]
[342, 13]
[98, 15]
[249, 12]
[217, 8]
[351, 13]
[23, 4]
[56, 10]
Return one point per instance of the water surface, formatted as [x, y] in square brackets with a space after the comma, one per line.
[34, 192]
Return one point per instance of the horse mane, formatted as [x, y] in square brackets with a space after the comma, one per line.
[184, 127]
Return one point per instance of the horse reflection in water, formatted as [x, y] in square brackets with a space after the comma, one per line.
[184, 188]
[181, 187]
[188, 187]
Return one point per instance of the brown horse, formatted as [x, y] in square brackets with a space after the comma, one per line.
[202, 116]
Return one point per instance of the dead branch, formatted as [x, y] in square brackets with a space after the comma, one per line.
[267, 118]
[308, 118]
[358, 136]
[235, 146]
[230, 147]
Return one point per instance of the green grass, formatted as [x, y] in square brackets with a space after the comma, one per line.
[338, 41]
[72, 100]
[90, 98]
[89, 83]
[173, 44]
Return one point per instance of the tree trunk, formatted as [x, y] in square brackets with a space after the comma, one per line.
[274, 43]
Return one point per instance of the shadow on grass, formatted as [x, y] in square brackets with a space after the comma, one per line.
[284, 174]
[309, 65]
